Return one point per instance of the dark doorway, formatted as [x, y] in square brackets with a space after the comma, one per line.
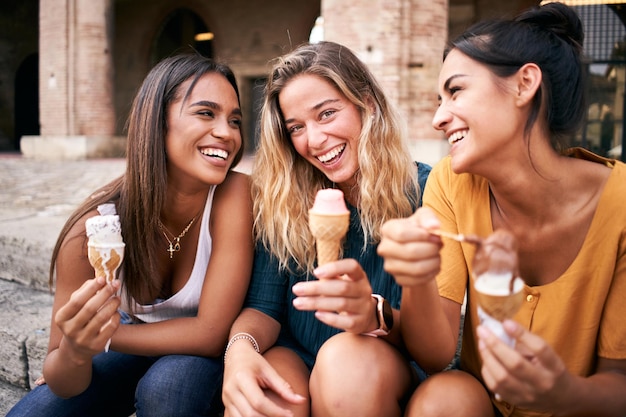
[179, 32]
[256, 86]
[27, 99]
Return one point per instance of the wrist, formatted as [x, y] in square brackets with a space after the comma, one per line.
[69, 355]
[238, 337]
[384, 317]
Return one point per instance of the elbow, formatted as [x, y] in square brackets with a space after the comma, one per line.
[65, 394]
[432, 367]
[432, 364]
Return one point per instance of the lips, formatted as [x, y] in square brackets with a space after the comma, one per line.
[332, 154]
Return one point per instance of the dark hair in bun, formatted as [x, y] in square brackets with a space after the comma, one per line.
[550, 36]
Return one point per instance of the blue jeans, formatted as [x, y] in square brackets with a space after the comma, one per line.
[173, 385]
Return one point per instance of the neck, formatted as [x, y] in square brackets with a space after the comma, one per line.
[180, 208]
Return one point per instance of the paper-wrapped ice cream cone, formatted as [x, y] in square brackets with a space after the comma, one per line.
[499, 291]
[328, 221]
[105, 245]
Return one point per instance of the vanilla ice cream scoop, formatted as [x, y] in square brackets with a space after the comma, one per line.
[105, 246]
[329, 219]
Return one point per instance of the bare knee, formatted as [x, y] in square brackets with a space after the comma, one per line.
[349, 368]
[450, 393]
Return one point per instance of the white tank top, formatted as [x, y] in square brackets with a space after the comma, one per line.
[185, 302]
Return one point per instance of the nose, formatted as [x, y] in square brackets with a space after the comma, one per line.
[316, 137]
[441, 118]
[222, 128]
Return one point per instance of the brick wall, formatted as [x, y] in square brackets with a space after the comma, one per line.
[401, 41]
[90, 70]
[76, 79]
[53, 67]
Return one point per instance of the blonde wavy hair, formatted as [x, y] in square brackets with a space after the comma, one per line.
[284, 184]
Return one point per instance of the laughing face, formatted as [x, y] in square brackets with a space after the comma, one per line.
[477, 113]
[324, 127]
[203, 132]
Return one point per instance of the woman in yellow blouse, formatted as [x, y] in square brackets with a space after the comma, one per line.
[510, 91]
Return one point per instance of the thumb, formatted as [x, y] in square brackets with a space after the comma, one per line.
[425, 217]
[531, 346]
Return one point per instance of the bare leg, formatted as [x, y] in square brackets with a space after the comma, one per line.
[290, 367]
[450, 393]
[358, 376]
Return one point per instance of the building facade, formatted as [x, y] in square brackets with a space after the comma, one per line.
[69, 68]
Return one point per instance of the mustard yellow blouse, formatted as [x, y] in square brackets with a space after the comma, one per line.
[582, 314]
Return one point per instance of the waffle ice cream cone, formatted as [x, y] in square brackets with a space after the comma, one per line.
[329, 220]
[105, 248]
[495, 296]
[106, 259]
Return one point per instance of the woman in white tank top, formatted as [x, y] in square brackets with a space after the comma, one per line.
[186, 222]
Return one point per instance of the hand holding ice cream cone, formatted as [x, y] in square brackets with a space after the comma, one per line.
[329, 219]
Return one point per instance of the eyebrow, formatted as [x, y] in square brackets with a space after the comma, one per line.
[317, 107]
[446, 85]
[213, 105]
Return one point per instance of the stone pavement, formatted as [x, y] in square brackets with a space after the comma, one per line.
[36, 197]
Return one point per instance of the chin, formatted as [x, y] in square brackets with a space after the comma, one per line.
[458, 164]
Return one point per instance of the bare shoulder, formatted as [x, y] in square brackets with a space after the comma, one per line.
[235, 182]
[233, 194]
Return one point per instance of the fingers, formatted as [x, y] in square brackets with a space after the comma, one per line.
[524, 374]
[532, 346]
[333, 295]
[347, 268]
[258, 390]
[90, 317]
[410, 252]
[342, 303]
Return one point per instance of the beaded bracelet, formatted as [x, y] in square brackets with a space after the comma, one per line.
[240, 336]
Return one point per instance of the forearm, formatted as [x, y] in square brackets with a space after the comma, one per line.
[184, 336]
[260, 326]
[600, 395]
[66, 376]
[429, 334]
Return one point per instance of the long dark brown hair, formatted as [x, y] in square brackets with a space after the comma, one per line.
[139, 193]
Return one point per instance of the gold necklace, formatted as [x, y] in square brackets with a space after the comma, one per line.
[175, 243]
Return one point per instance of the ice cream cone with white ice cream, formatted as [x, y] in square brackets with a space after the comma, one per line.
[105, 246]
[329, 219]
[499, 290]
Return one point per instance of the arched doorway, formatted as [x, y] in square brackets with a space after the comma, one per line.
[27, 99]
[180, 31]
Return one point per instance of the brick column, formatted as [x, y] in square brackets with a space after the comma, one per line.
[77, 113]
[402, 42]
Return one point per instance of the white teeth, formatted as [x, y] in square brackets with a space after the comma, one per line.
[331, 154]
[456, 136]
[218, 153]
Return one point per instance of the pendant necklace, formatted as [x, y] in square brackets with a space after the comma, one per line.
[174, 244]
